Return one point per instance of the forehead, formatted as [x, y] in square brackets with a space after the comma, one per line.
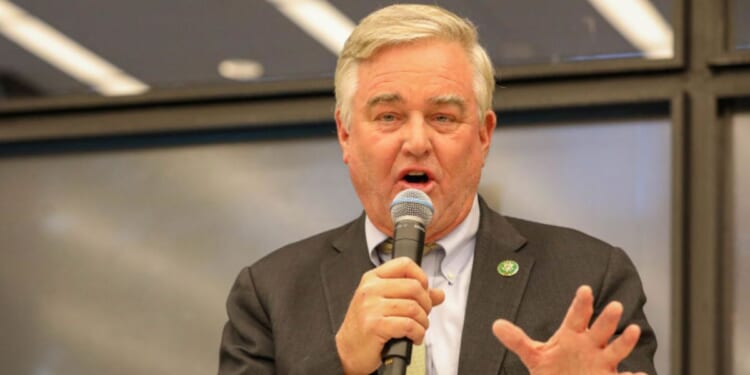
[429, 68]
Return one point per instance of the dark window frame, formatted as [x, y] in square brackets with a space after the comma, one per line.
[698, 85]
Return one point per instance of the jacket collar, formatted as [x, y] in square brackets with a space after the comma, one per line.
[491, 296]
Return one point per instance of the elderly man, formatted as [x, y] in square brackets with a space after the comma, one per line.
[414, 94]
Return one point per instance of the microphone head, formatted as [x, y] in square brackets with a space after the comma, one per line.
[413, 204]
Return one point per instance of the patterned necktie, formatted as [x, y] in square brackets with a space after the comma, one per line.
[417, 365]
[386, 247]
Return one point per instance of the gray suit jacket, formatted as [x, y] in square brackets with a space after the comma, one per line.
[285, 310]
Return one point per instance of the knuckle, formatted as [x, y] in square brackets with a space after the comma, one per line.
[371, 323]
[404, 261]
[414, 287]
[369, 288]
[410, 326]
[413, 309]
[367, 276]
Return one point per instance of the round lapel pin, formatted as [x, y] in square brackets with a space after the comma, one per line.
[507, 268]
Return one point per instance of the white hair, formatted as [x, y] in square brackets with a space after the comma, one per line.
[405, 23]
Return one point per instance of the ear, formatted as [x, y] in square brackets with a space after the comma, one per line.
[486, 130]
[343, 136]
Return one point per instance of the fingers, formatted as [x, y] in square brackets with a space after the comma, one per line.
[405, 308]
[396, 289]
[401, 268]
[391, 301]
[398, 326]
[574, 347]
[400, 289]
[400, 278]
[580, 310]
[516, 340]
[620, 347]
[606, 324]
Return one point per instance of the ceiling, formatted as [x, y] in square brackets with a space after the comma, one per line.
[172, 44]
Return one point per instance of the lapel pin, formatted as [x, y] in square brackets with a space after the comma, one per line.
[507, 268]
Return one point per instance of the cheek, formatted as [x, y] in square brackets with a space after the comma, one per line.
[378, 151]
[466, 163]
[365, 158]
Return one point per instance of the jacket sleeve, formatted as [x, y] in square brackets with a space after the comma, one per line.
[247, 339]
[622, 283]
[248, 345]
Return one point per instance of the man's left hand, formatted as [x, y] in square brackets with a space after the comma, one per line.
[574, 348]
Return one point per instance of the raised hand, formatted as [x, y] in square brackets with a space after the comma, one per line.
[391, 301]
[574, 348]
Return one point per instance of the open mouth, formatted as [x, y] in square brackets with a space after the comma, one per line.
[417, 178]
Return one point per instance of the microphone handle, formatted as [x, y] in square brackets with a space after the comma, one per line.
[408, 241]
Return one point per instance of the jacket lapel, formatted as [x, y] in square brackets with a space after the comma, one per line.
[342, 272]
[492, 296]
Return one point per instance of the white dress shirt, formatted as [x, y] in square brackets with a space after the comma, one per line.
[448, 268]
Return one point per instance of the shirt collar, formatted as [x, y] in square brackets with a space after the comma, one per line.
[453, 243]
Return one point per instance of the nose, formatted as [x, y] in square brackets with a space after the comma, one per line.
[416, 136]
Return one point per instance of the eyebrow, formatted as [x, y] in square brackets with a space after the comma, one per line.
[450, 99]
[384, 98]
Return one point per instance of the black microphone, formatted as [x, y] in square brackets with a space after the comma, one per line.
[411, 211]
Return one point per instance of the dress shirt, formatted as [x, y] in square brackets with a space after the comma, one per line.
[448, 268]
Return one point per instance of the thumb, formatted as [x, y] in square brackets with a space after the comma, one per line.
[516, 341]
[437, 296]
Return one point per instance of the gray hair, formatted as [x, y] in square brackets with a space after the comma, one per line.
[404, 23]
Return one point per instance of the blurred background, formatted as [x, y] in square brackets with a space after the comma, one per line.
[151, 149]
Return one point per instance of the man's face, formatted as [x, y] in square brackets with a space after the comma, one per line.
[415, 124]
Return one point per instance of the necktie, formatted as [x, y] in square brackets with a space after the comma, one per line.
[386, 247]
[418, 355]
[417, 364]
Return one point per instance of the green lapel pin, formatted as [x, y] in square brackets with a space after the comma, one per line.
[507, 268]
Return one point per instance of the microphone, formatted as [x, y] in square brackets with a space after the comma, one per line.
[411, 211]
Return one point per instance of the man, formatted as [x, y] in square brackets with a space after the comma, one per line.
[414, 94]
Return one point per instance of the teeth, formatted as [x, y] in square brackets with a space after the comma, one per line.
[416, 173]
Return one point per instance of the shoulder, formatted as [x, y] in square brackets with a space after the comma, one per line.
[570, 256]
[565, 247]
[540, 234]
[302, 253]
[556, 249]
[294, 269]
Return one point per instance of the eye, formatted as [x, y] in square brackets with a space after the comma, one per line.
[387, 117]
[443, 118]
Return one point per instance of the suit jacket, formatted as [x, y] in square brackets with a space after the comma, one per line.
[285, 310]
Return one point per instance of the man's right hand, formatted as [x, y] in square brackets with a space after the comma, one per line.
[391, 301]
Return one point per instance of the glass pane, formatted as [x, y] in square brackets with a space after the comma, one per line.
[151, 44]
[741, 26]
[609, 179]
[142, 245]
[740, 210]
[120, 262]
